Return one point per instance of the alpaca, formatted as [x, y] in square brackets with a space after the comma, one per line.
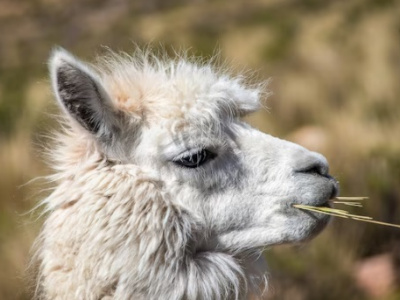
[161, 190]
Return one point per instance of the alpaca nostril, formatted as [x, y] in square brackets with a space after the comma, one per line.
[315, 169]
[310, 163]
[314, 164]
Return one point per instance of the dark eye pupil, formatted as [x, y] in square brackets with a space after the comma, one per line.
[195, 160]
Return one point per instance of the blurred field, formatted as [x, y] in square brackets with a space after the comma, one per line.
[335, 67]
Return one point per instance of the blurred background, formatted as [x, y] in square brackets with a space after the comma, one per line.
[335, 69]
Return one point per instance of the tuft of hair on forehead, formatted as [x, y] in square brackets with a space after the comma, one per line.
[152, 84]
[110, 100]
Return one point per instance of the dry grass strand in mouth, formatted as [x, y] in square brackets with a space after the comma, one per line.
[350, 201]
[351, 198]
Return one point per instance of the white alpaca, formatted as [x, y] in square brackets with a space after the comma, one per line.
[162, 191]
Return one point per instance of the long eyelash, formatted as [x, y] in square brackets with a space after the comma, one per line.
[193, 159]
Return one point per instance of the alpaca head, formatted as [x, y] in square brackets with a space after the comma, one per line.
[181, 123]
[162, 190]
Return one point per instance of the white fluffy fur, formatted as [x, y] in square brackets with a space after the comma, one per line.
[125, 222]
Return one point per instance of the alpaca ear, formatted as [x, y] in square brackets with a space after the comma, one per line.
[81, 95]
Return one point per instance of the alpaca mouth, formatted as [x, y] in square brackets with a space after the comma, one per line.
[324, 204]
[328, 203]
[323, 197]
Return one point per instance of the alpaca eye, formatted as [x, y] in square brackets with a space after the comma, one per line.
[195, 159]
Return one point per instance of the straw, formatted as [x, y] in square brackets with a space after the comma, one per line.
[352, 198]
[342, 213]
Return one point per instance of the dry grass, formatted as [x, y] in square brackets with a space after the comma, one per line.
[350, 201]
